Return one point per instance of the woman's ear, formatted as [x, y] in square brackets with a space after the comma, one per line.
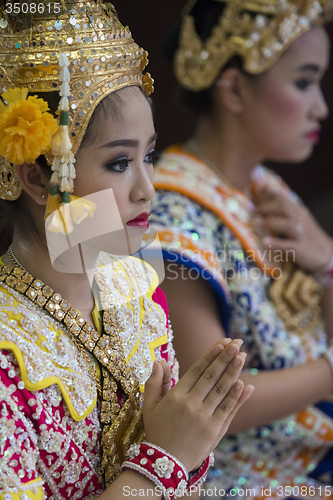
[230, 88]
[34, 181]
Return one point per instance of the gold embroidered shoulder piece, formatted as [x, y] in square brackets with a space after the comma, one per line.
[44, 351]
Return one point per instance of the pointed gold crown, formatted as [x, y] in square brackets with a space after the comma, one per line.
[101, 53]
[257, 31]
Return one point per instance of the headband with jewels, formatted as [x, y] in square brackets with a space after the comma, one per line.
[258, 31]
[77, 49]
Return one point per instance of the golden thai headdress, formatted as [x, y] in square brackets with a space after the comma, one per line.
[257, 31]
[81, 51]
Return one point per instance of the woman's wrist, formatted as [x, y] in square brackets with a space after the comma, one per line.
[164, 470]
[167, 473]
[196, 478]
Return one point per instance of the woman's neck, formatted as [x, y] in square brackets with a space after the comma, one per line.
[226, 154]
[74, 287]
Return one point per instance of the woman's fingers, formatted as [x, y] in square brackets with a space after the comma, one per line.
[167, 378]
[271, 204]
[195, 412]
[226, 410]
[203, 370]
[191, 377]
[211, 376]
[282, 227]
[218, 394]
[268, 208]
[154, 386]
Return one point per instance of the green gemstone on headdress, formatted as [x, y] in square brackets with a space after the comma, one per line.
[63, 120]
[65, 197]
[53, 190]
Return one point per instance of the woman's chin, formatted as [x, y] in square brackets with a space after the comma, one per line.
[294, 156]
[135, 235]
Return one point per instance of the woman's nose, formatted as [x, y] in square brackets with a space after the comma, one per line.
[143, 188]
[321, 108]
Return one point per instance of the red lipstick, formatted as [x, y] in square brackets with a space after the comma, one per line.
[140, 221]
[313, 136]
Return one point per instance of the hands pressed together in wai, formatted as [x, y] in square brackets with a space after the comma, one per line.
[190, 419]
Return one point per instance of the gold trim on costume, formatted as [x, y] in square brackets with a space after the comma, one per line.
[10, 188]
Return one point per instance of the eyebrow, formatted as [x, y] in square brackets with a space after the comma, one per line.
[130, 143]
[310, 67]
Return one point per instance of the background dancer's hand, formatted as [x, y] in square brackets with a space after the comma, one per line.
[288, 225]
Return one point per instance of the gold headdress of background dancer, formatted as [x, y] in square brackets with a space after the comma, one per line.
[257, 31]
[81, 52]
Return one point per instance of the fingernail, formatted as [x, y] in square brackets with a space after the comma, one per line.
[238, 360]
[239, 341]
[238, 385]
[233, 349]
[218, 349]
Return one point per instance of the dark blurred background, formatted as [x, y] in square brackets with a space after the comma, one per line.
[149, 20]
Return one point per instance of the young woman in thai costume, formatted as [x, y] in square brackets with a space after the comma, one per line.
[78, 348]
[244, 257]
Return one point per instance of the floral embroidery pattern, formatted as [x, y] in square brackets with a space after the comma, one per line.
[41, 442]
[164, 467]
[133, 450]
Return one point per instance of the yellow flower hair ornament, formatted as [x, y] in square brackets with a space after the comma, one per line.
[63, 208]
[26, 127]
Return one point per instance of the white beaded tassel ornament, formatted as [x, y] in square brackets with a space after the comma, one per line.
[62, 179]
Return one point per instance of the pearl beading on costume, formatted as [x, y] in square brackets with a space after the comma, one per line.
[165, 470]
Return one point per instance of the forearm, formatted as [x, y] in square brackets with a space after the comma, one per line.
[131, 484]
[279, 393]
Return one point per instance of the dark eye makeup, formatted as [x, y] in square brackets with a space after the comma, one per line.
[152, 157]
[303, 83]
[118, 165]
[121, 163]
